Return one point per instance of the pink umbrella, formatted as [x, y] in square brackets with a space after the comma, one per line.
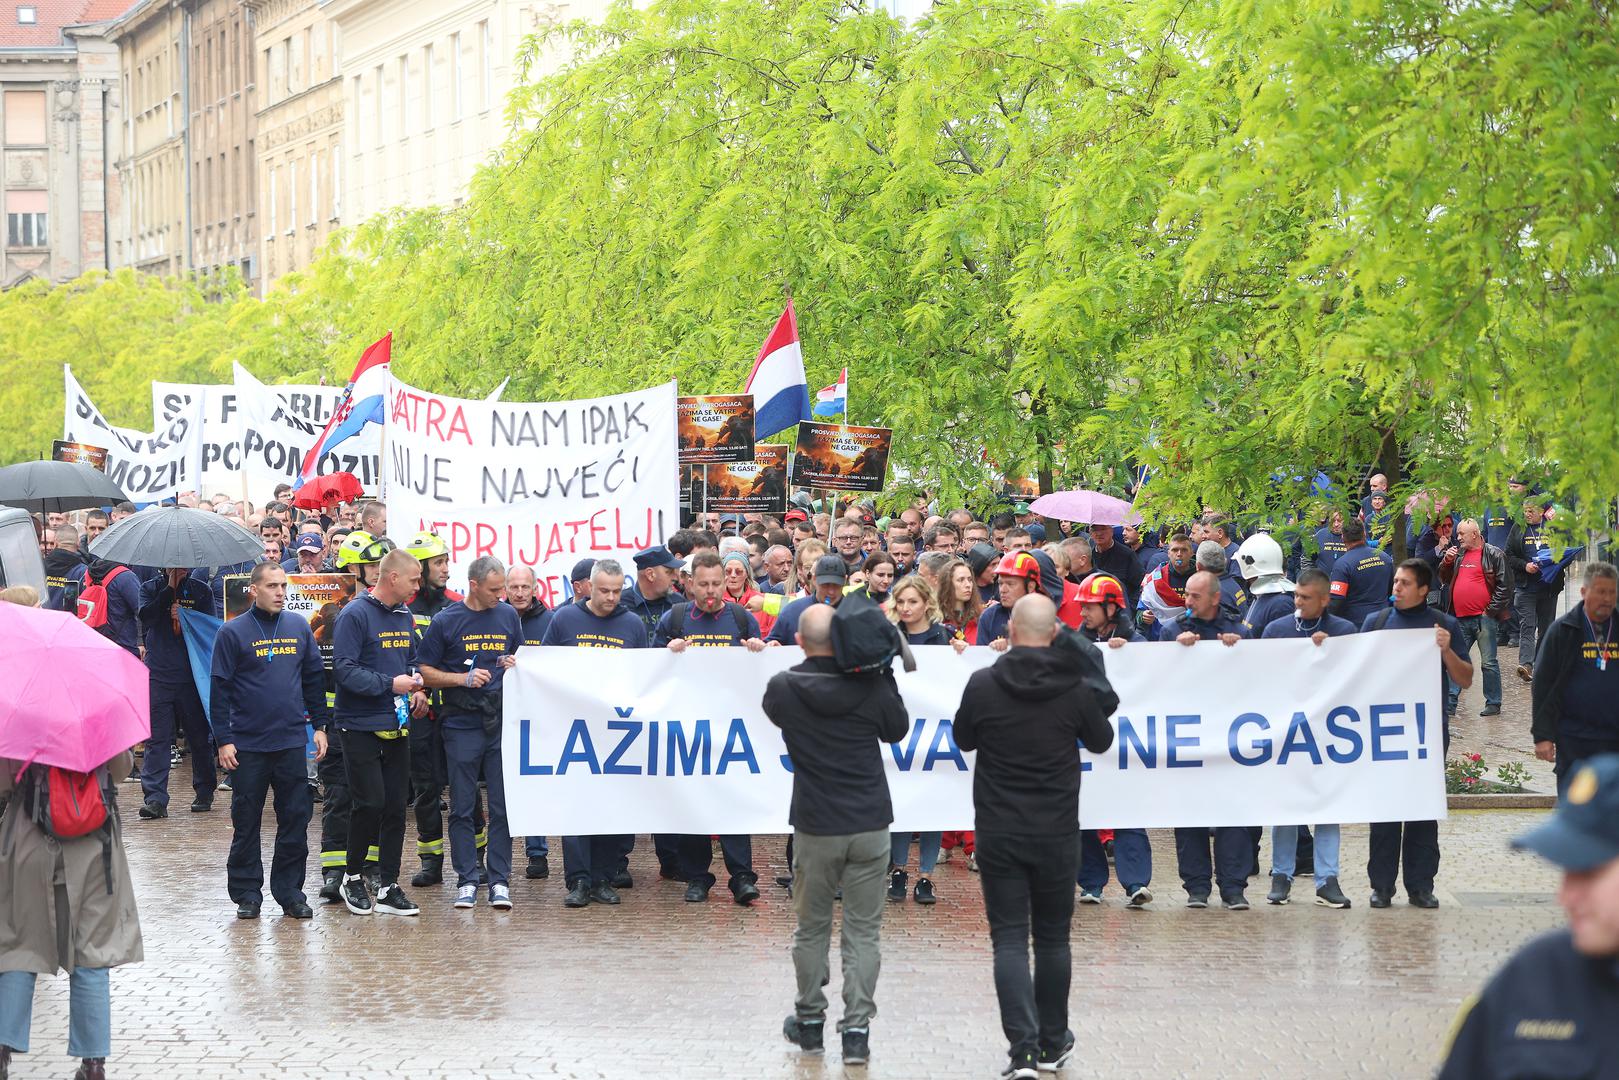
[75, 699]
[1090, 507]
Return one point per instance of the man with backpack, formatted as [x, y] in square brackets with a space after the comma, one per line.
[267, 678]
[110, 603]
[174, 698]
[709, 620]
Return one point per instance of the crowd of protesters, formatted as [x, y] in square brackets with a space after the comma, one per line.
[408, 708]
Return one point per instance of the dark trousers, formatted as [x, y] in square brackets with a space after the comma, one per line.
[1028, 884]
[1571, 750]
[667, 847]
[535, 847]
[336, 808]
[177, 708]
[378, 783]
[697, 855]
[1536, 611]
[428, 777]
[1132, 860]
[1416, 843]
[469, 752]
[1233, 858]
[283, 772]
[591, 859]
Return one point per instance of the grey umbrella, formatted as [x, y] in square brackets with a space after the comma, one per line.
[56, 487]
[176, 536]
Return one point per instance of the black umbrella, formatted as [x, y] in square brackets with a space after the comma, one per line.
[56, 487]
[176, 536]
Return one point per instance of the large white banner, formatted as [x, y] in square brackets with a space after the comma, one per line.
[1260, 733]
[541, 485]
[149, 467]
[257, 435]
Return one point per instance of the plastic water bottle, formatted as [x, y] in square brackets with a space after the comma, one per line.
[402, 710]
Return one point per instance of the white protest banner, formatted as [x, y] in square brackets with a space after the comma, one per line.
[275, 436]
[240, 438]
[1261, 733]
[539, 485]
[148, 467]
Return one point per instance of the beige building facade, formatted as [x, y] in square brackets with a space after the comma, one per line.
[222, 125]
[425, 86]
[300, 132]
[59, 106]
[153, 233]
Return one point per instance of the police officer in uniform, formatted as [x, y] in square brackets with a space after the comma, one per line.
[359, 555]
[1549, 1012]
[429, 772]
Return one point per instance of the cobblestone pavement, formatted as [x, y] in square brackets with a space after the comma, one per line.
[661, 988]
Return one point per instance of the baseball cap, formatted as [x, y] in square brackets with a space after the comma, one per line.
[1583, 833]
[831, 570]
[1036, 531]
[656, 556]
[582, 569]
[795, 515]
[310, 541]
[1021, 507]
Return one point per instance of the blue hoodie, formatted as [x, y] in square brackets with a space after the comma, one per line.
[267, 677]
[372, 645]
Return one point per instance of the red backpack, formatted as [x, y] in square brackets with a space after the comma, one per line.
[65, 805]
[93, 599]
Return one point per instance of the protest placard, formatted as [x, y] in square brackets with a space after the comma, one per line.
[148, 467]
[315, 598]
[841, 457]
[748, 487]
[533, 484]
[605, 741]
[715, 428]
[81, 453]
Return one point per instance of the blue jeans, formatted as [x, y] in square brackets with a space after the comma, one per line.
[89, 1024]
[927, 851]
[535, 847]
[1132, 860]
[467, 751]
[1284, 849]
[1483, 630]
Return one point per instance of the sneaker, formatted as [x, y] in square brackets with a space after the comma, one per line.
[604, 894]
[1197, 900]
[896, 886]
[1329, 895]
[538, 867]
[1022, 1066]
[151, 811]
[1089, 896]
[500, 897]
[393, 901]
[1426, 900]
[972, 861]
[1490, 710]
[808, 1035]
[466, 896]
[331, 886]
[1234, 900]
[355, 896]
[1381, 899]
[373, 877]
[1140, 896]
[856, 1046]
[924, 891]
[224, 783]
[1052, 1060]
[578, 896]
[1280, 886]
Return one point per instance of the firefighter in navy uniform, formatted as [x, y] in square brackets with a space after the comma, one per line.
[429, 772]
[359, 555]
[1549, 1012]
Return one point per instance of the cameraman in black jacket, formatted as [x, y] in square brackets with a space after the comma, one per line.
[1024, 715]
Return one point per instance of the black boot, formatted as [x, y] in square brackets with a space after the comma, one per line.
[431, 873]
[331, 885]
[5, 1062]
[92, 1069]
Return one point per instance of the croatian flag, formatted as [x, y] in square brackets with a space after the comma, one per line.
[834, 399]
[778, 385]
[362, 404]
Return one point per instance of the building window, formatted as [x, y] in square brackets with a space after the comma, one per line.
[455, 77]
[25, 117]
[337, 182]
[295, 64]
[272, 195]
[427, 87]
[27, 15]
[25, 219]
[377, 108]
[486, 71]
[314, 186]
[292, 195]
[404, 97]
